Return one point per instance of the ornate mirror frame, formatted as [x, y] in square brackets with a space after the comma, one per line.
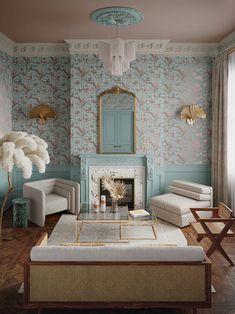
[115, 90]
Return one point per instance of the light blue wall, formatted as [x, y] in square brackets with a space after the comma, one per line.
[195, 173]
[162, 176]
[3, 185]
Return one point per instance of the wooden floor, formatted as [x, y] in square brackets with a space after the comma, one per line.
[14, 253]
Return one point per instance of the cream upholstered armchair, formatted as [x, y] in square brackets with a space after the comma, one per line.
[51, 196]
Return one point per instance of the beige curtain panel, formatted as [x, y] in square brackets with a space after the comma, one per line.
[219, 129]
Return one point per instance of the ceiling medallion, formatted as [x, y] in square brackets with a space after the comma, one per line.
[116, 16]
[117, 54]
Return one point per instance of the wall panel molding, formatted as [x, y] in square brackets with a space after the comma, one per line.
[162, 176]
[52, 171]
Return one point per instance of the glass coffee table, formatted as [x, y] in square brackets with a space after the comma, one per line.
[113, 227]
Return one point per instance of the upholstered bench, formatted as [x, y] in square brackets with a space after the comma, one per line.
[174, 207]
[117, 276]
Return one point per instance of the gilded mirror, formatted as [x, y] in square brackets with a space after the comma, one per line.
[117, 121]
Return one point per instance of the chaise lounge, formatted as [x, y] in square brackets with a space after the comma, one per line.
[174, 206]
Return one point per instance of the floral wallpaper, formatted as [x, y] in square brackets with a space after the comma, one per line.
[5, 93]
[44, 79]
[162, 85]
[118, 101]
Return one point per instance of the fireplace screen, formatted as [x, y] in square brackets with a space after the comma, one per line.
[128, 198]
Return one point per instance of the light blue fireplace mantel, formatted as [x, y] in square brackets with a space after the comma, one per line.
[139, 159]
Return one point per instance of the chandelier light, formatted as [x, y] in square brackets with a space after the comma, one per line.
[118, 53]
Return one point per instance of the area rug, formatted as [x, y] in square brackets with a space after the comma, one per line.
[66, 232]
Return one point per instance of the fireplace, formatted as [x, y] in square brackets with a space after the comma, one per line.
[129, 198]
[136, 173]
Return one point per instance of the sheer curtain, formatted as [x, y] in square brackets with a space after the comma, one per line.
[231, 130]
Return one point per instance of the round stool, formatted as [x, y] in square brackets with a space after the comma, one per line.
[20, 212]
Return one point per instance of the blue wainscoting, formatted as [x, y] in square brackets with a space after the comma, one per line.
[165, 174]
[162, 176]
[52, 171]
[3, 184]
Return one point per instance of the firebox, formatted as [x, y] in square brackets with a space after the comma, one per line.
[129, 198]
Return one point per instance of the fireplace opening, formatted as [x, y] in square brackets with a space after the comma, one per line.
[128, 198]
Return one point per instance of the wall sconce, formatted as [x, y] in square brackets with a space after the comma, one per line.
[42, 112]
[191, 113]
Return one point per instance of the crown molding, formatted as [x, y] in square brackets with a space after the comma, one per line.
[40, 50]
[227, 43]
[192, 50]
[163, 47]
[87, 46]
[90, 46]
[6, 44]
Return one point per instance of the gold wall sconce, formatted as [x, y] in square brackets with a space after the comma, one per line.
[191, 113]
[42, 112]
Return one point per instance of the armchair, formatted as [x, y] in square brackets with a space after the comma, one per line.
[215, 228]
[51, 196]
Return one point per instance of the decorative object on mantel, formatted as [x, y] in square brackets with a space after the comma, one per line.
[96, 206]
[103, 203]
[117, 54]
[42, 112]
[191, 113]
[117, 190]
[23, 151]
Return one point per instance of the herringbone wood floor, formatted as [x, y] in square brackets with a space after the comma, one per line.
[14, 253]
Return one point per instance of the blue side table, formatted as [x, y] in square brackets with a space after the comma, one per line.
[20, 212]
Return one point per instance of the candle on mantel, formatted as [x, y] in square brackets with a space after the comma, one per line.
[96, 206]
[103, 203]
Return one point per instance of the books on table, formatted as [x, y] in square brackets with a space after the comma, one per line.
[139, 213]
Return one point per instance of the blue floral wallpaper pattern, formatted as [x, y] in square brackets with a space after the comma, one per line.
[163, 85]
[44, 79]
[5, 93]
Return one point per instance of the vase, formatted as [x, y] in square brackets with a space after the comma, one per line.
[114, 205]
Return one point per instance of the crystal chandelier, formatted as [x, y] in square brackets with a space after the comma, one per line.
[117, 53]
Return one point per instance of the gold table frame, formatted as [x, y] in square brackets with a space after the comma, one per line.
[122, 223]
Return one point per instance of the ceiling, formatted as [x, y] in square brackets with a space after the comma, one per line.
[52, 21]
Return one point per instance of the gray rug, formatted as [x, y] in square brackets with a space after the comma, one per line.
[67, 228]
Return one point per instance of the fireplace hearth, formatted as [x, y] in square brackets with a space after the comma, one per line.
[129, 198]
